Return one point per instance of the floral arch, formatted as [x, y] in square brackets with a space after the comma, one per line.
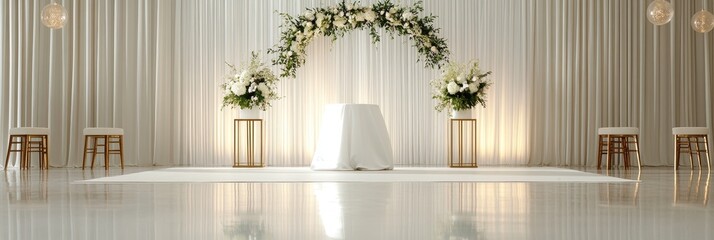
[335, 21]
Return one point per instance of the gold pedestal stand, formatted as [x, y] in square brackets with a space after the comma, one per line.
[460, 125]
[244, 151]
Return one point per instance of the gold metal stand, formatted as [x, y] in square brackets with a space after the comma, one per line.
[247, 158]
[462, 163]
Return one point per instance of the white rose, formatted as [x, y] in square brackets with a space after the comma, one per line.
[452, 87]
[309, 15]
[252, 87]
[464, 87]
[320, 19]
[473, 87]
[243, 75]
[407, 15]
[359, 17]
[474, 79]
[307, 25]
[290, 53]
[433, 49]
[238, 89]
[461, 78]
[369, 15]
[340, 22]
[263, 88]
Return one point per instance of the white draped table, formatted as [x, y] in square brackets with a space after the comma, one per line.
[353, 137]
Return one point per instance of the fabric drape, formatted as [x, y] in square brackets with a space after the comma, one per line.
[561, 69]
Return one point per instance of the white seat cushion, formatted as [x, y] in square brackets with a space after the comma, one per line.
[29, 131]
[103, 131]
[690, 131]
[618, 131]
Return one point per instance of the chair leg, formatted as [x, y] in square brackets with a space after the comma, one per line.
[84, 155]
[706, 148]
[691, 154]
[696, 150]
[9, 147]
[637, 149]
[599, 152]
[626, 150]
[46, 151]
[94, 152]
[609, 155]
[676, 152]
[121, 150]
[106, 152]
[24, 162]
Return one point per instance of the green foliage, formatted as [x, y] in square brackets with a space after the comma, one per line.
[335, 21]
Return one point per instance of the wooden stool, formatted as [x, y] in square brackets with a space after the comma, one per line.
[688, 140]
[29, 140]
[108, 136]
[617, 140]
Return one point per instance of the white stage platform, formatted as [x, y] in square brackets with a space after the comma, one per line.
[404, 174]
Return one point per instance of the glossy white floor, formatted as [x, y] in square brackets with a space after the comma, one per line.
[45, 205]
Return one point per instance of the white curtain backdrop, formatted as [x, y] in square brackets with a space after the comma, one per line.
[561, 69]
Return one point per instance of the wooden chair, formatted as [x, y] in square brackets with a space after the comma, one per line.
[689, 140]
[29, 140]
[618, 140]
[98, 141]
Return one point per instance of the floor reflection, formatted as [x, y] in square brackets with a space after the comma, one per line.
[49, 205]
[691, 188]
[26, 186]
[621, 194]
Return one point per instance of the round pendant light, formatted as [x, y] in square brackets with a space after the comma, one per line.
[703, 21]
[660, 12]
[54, 16]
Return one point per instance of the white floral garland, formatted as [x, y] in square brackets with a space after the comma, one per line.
[337, 20]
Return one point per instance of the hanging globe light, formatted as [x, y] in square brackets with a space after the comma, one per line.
[54, 16]
[660, 12]
[703, 21]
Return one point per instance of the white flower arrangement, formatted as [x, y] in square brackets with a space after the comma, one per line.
[334, 21]
[460, 87]
[251, 87]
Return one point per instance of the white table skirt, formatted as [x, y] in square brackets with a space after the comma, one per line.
[353, 137]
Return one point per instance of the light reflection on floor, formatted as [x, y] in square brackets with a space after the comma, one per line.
[45, 205]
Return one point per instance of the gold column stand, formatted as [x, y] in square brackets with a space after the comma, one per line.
[244, 152]
[461, 162]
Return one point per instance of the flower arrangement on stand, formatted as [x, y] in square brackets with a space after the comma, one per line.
[460, 88]
[335, 21]
[251, 89]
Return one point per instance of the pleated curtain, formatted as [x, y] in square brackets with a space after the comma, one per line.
[561, 68]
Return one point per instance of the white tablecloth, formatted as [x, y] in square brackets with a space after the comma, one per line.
[353, 137]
